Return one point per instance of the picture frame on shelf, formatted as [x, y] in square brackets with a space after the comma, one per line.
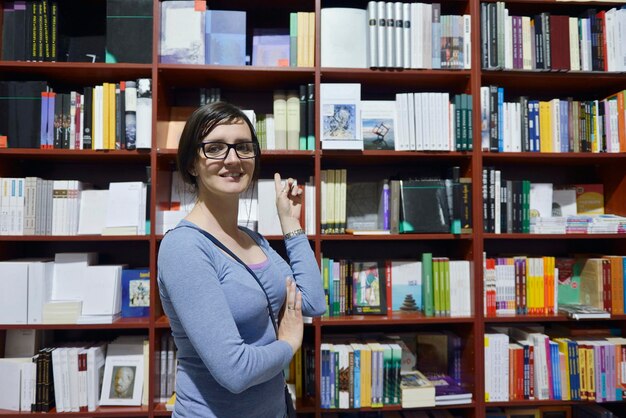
[123, 381]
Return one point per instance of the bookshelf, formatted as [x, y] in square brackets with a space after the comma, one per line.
[252, 87]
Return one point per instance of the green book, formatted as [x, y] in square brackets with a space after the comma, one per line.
[445, 292]
[437, 287]
[293, 39]
[427, 284]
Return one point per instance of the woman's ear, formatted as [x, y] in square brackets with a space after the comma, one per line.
[193, 172]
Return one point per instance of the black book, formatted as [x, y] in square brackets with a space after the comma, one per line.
[20, 28]
[4, 108]
[129, 31]
[310, 117]
[424, 207]
[303, 114]
[493, 119]
[8, 31]
[539, 42]
[66, 121]
[31, 31]
[25, 113]
[39, 38]
[81, 31]
[87, 119]
[58, 121]
[45, 32]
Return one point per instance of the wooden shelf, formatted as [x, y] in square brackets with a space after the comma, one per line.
[105, 411]
[527, 318]
[395, 79]
[76, 155]
[395, 237]
[376, 158]
[73, 238]
[74, 73]
[122, 323]
[395, 318]
[561, 158]
[492, 236]
[267, 78]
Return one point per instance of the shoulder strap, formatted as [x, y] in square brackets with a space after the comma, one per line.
[230, 253]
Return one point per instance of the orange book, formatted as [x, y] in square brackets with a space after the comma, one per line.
[617, 283]
[111, 112]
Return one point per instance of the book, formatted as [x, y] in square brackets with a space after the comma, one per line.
[225, 37]
[365, 207]
[564, 201]
[129, 31]
[340, 119]
[589, 199]
[343, 37]
[182, 46]
[417, 390]
[406, 286]
[270, 50]
[369, 283]
[135, 293]
[423, 207]
[580, 311]
[378, 124]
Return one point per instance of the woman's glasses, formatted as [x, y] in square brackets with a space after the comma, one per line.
[219, 150]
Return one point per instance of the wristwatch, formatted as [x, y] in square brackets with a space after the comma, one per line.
[294, 233]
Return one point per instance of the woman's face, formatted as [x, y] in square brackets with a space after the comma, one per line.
[231, 175]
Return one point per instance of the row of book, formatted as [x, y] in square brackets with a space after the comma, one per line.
[107, 116]
[366, 372]
[218, 37]
[546, 41]
[395, 35]
[435, 286]
[166, 362]
[526, 363]
[524, 285]
[35, 206]
[257, 206]
[291, 126]
[520, 206]
[44, 30]
[427, 121]
[556, 125]
[75, 377]
[72, 288]
[395, 206]
[577, 411]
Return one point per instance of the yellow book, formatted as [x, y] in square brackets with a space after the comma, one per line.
[111, 116]
[105, 115]
[311, 40]
[343, 187]
[582, 369]
[596, 142]
[545, 127]
[330, 201]
[591, 371]
[303, 45]
[298, 375]
[366, 375]
[337, 202]
[563, 348]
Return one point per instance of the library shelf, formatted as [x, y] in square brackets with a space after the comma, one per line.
[73, 238]
[535, 403]
[162, 322]
[121, 323]
[183, 75]
[104, 411]
[396, 237]
[555, 83]
[76, 155]
[74, 73]
[527, 318]
[394, 318]
[491, 236]
[382, 157]
[391, 78]
[562, 158]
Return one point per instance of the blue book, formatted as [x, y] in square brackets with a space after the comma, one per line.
[135, 292]
[564, 119]
[357, 375]
[270, 49]
[225, 37]
[500, 119]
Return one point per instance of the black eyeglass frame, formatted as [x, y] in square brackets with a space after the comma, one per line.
[255, 148]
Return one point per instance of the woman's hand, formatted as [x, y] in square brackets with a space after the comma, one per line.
[290, 327]
[288, 203]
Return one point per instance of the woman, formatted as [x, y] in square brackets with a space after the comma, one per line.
[230, 357]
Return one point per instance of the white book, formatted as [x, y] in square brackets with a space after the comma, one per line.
[406, 35]
[268, 217]
[372, 34]
[101, 288]
[526, 44]
[10, 383]
[40, 274]
[67, 280]
[379, 124]
[398, 34]
[125, 208]
[416, 36]
[92, 215]
[144, 113]
[508, 40]
[280, 119]
[98, 122]
[390, 28]
[95, 369]
[467, 42]
[343, 37]
[72, 372]
[57, 380]
[340, 121]
[381, 29]
[13, 293]
[248, 214]
[427, 35]
[416, 126]
[18, 207]
[182, 46]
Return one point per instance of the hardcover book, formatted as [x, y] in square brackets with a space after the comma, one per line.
[424, 207]
[225, 37]
[270, 49]
[369, 281]
[340, 118]
[129, 31]
[135, 293]
[181, 46]
[378, 124]
[365, 206]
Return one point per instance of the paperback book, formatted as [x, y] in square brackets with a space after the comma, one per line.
[369, 282]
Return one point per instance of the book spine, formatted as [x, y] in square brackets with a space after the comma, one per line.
[427, 284]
